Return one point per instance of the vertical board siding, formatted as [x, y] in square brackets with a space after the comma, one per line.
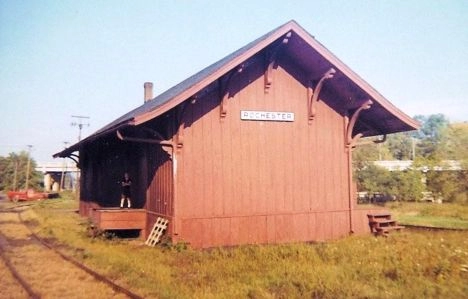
[261, 181]
[160, 190]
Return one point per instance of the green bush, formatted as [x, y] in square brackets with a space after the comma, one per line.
[404, 185]
[451, 185]
[407, 185]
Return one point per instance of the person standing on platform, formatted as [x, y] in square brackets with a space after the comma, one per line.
[126, 191]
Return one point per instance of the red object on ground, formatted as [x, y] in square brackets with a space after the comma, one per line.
[30, 194]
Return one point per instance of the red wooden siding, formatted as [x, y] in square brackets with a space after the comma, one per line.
[120, 219]
[159, 194]
[259, 181]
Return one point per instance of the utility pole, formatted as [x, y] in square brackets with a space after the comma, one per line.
[80, 122]
[15, 174]
[64, 166]
[28, 166]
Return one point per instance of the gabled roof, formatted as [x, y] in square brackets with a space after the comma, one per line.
[312, 56]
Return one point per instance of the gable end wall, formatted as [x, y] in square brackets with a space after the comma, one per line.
[261, 181]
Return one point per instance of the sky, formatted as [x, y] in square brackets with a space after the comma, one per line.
[91, 58]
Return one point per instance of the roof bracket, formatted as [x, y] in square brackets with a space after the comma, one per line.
[224, 90]
[181, 123]
[350, 139]
[75, 158]
[163, 143]
[377, 141]
[313, 95]
[373, 141]
[271, 61]
[143, 140]
[153, 132]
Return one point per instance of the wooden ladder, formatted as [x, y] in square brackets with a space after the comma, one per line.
[381, 224]
[158, 229]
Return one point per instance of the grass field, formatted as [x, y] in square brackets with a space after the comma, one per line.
[445, 215]
[404, 265]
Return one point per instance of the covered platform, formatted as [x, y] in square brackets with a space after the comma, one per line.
[114, 218]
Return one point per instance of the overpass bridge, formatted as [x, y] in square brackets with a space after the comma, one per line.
[57, 167]
[401, 165]
[59, 175]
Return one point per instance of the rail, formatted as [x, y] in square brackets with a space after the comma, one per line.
[27, 287]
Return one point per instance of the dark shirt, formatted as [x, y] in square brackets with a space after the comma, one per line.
[126, 183]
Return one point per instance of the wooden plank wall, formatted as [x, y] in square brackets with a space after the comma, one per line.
[257, 181]
[160, 190]
[121, 219]
[159, 194]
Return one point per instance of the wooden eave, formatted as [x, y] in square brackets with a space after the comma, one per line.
[257, 47]
[101, 133]
[193, 85]
[355, 78]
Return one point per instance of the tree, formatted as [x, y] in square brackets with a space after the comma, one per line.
[13, 172]
[431, 126]
[429, 135]
[453, 145]
[407, 185]
[453, 142]
[370, 152]
[436, 141]
[400, 145]
[372, 178]
[451, 185]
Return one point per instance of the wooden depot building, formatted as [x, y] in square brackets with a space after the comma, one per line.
[255, 148]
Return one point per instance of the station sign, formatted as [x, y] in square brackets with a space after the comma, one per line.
[267, 115]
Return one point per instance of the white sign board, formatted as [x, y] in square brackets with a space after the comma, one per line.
[267, 115]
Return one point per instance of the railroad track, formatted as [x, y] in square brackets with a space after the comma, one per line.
[15, 207]
[25, 282]
[432, 228]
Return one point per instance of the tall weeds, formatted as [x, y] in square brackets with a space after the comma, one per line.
[404, 265]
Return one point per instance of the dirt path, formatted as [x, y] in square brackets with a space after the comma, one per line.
[48, 274]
